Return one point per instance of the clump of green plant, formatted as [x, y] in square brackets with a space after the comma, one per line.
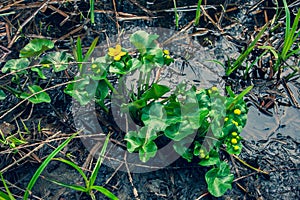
[201, 122]
[90, 187]
[280, 54]
[202, 119]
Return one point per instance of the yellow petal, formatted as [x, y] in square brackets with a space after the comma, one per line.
[117, 58]
[118, 48]
[122, 53]
[111, 51]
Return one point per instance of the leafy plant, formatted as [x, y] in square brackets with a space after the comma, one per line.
[39, 171]
[89, 182]
[20, 67]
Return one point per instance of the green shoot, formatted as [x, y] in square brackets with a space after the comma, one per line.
[89, 183]
[244, 55]
[2, 194]
[198, 13]
[92, 8]
[44, 165]
[176, 14]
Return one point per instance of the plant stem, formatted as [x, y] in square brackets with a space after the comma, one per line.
[247, 165]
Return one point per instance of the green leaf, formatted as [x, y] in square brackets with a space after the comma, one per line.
[14, 65]
[179, 130]
[70, 186]
[212, 160]
[3, 195]
[142, 141]
[44, 165]
[39, 71]
[155, 92]
[182, 148]
[59, 60]
[39, 96]
[98, 67]
[133, 141]
[83, 91]
[2, 95]
[147, 151]
[76, 167]
[105, 191]
[143, 41]
[36, 47]
[154, 116]
[219, 179]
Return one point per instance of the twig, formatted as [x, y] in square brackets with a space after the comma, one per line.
[135, 192]
[251, 167]
[50, 88]
[26, 22]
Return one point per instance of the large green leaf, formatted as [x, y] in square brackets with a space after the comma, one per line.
[39, 96]
[83, 91]
[179, 130]
[147, 151]
[142, 141]
[143, 41]
[36, 47]
[155, 92]
[58, 60]
[154, 116]
[14, 65]
[182, 148]
[219, 179]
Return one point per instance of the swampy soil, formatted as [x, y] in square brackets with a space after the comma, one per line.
[225, 29]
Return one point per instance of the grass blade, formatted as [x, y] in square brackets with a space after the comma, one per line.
[290, 35]
[91, 49]
[239, 97]
[92, 8]
[78, 55]
[98, 164]
[105, 191]
[74, 166]
[2, 194]
[198, 13]
[244, 55]
[73, 187]
[176, 14]
[44, 165]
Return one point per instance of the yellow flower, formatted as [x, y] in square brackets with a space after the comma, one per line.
[117, 52]
[235, 123]
[234, 141]
[226, 119]
[214, 88]
[235, 147]
[166, 52]
[237, 111]
[234, 134]
[168, 57]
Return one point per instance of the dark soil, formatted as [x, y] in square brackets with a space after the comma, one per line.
[271, 135]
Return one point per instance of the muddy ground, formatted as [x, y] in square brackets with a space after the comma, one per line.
[226, 27]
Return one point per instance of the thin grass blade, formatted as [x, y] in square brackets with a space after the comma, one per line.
[9, 194]
[240, 96]
[44, 165]
[76, 167]
[105, 191]
[92, 8]
[244, 55]
[91, 49]
[99, 162]
[70, 186]
[176, 14]
[198, 12]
